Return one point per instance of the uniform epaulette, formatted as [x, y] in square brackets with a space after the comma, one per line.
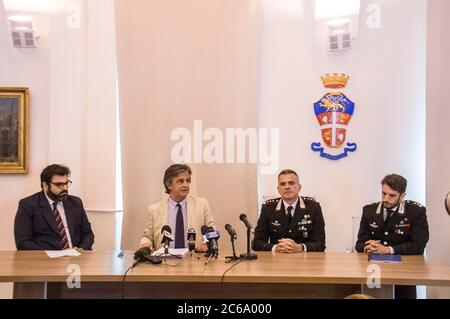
[309, 199]
[272, 201]
[413, 203]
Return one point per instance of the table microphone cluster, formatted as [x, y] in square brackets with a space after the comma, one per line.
[210, 237]
[144, 255]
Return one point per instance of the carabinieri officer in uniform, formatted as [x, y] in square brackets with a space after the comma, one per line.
[291, 223]
[394, 225]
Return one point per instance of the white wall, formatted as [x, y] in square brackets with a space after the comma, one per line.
[72, 81]
[438, 136]
[387, 69]
[198, 62]
[31, 71]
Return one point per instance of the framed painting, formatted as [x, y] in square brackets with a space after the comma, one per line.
[14, 105]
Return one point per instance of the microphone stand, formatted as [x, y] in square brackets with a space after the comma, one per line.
[164, 256]
[166, 253]
[234, 257]
[166, 249]
[248, 255]
[192, 252]
[209, 258]
[210, 254]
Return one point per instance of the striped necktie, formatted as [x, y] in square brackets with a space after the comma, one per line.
[63, 243]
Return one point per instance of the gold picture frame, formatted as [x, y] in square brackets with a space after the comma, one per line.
[14, 108]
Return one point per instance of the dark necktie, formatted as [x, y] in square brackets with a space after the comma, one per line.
[389, 214]
[289, 215]
[179, 229]
[63, 243]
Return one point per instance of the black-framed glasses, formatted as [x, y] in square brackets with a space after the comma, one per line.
[61, 185]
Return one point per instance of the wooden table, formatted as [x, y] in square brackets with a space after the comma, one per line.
[272, 275]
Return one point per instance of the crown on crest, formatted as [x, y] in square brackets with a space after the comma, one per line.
[335, 80]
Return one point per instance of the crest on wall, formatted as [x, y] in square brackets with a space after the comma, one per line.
[334, 113]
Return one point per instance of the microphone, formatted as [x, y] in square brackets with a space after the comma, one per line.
[233, 235]
[211, 236]
[204, 230]
[191, 236]
[167, 237]
[248, 255]
[243, 217]
[231, 231]
[143, 254]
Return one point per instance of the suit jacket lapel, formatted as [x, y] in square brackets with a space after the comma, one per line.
[48, 212]
[164, 213]
[190, 208]
[160, 219]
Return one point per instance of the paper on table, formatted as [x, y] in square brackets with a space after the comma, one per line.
[62, 253]
[180, 252]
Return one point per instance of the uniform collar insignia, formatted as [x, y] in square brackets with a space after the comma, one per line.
[302, 203]
[378, 211]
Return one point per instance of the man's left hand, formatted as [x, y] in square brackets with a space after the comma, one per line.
[383, 250]
[202, 248]
[377, 248]
[287, 245]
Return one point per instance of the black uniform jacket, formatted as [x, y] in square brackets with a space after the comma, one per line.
[406, 231]
[307, 226]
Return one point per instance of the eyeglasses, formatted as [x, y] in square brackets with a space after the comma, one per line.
[61, 185]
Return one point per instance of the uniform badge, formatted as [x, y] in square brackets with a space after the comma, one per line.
[305, 222]
[276, 223]
[334, 112]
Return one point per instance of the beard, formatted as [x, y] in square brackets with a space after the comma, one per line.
[62, 196]
[387, 205]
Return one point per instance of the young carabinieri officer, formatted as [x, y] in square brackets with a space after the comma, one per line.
[394, 226]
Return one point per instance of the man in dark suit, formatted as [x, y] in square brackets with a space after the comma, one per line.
[291, 223]
[52, 219]
[394, 226]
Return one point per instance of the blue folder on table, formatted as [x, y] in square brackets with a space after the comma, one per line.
[385, 258]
